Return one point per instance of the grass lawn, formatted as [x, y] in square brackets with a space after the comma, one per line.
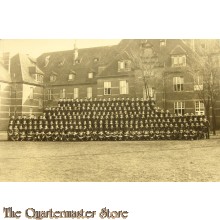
[155, 161]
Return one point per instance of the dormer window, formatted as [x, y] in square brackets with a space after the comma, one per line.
[90, 75]
[53, 78]
[96, 59]
[124, 65]
[162, 43]
[178, 60]
[71, 76]
[38, 78]
[36, 73]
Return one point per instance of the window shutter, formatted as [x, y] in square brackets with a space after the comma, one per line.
[119, 65]
[182, 80]
[184, 60]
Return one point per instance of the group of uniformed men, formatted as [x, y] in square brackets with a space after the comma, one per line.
[111, 120]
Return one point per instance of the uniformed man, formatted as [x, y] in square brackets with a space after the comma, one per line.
[146, 135]
[186, 134]
[192, 134]
[151, 134]
[81, 134]
[42, 135]
[30, 135]
[126, 135]
[207, 128]
[168, 134]
[101, 135]
[22, 136]
[120, 135]
[48, 135]
[10, 133]
[157, 135]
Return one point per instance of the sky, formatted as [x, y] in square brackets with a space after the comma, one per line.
[35, 47]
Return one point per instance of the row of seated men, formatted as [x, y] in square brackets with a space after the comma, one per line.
[77, 132]
[108, 135]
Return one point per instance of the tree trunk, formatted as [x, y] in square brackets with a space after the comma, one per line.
[207, 109]
[213, 121]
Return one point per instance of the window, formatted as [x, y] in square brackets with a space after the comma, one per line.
[123, 87]
[89, 92]
[90, 75]
[150, 94]
[76, 93]
[178, 60]
[199, 108]
[121, 65]
[124, 65]
[31, 93]
[107, 88]
[49, 94]
[162, 43]
[62, 93]
[96, 59]
[53, 78]
[178, 83]
[71, 77]
[38, 78]
[198, 83]
[179, 108]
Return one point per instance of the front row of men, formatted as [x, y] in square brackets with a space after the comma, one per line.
[14, 134]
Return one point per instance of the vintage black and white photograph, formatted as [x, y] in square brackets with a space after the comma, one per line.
[126, 110]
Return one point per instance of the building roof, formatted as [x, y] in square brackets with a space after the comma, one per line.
[62, 63]
[178, 50]
[131, 49]
[4, 74]
[102, 61]
[23, 68]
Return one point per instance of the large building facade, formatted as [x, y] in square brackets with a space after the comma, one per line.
[156, 69]
[5, 94]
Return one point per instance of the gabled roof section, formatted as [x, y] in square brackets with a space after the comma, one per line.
[88, 60]
[131, 49]
[103, 61]
[178, 50]
[23, 68]
[4, 74]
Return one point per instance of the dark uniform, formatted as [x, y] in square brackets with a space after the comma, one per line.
[112, 119]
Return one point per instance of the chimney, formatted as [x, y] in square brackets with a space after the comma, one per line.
[75, 54]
